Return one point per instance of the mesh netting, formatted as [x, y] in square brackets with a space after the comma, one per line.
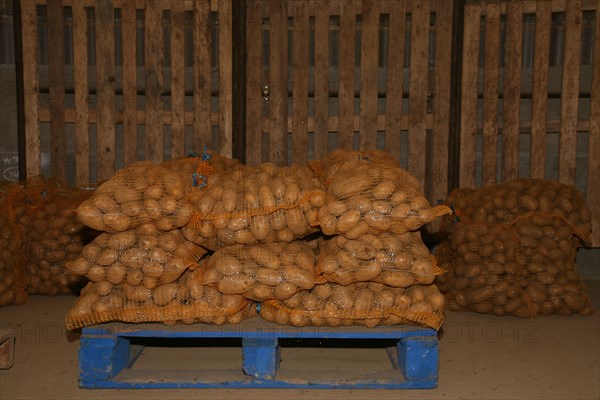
[262, 271]
[369, 304]
[141, 193]
[517, 261]
[396, 260]
[183, 301]
[364, 196]
[249, 205]
[144, 257]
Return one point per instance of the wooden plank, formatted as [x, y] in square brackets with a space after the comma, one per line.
[490, 99]
[129, 34]
[56, 73]
[80, 66]
[468, 122]
[569, 103]
[177, 79]
[31, 87]
[417, 98]
[369, 66]
[105, 73]
[441, 117]
[539, 106]
[512, 91]
[321, 94]
[395, 68]
[225, 78]
[300, 84]
[593, 179]
[202, 78]
[278, 80]
[346, 75]
[254, 81]
[153, 61]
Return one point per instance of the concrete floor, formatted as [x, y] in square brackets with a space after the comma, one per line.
[481, 357]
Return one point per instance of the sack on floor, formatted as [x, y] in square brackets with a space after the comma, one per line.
[250, 205]
[369, 304]
[261, 271]
[183, 301]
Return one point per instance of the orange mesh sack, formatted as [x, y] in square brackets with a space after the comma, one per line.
[340, 159]
[261, 271]
[13, 279]
[139, 194]
[183, 301]
[143, 257]
[366, 197]
[396, 260]
[250, 205]
[369, 304]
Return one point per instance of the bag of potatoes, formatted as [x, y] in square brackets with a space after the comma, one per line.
[13, 279]
[139, 194]
[369, 304]
[395, 260]
[369, 197]
[143, 256]
[261, 271]
[183, 301]
[250, 205]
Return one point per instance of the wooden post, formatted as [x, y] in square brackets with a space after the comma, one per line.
[238, 132]
[80, 65]
[253, 98]
[20, 86]
[490, 93]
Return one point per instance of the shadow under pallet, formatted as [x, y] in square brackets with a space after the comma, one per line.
[108, 355]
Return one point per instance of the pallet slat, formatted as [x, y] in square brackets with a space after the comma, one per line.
[278, 81]
[80, 65]
[321, 133]
[225, 42]
[153, 60]
[254, 100]
[346, 75]
[300, 84]
[177, 79]
[570, 95]
[105, 72]
[539, 105]
[56, 72]
[129, 35]
[490, 100]
[369, 63]
[202, 78]
[593, 179]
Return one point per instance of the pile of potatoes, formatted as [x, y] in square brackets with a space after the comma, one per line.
[139, 194]
[182, 301]
[395, 260]
[523, 268]
[369, 304]
[249, 205]
[143, 258]
[365, 197]
[262, 271]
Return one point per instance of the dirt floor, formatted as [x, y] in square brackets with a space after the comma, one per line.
[481, 357]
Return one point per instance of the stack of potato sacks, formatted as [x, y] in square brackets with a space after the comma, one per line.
[511, 250]
[377, 270]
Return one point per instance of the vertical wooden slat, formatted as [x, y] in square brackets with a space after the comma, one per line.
[468, 121]
[346, 75]
[321, 79]
[254, 81]
[512, 90]
[56, 72]
[441, 117]
[543, 23]
[129, 41]
[225, 78]
[153, 60]
[105, 72]
[202, 77]
[490, 93]
[31, 87]
[593, 180]
[395, 68]
[80, 65]
[569, 103]
[417, 101]
[177, 78]
[300, 84]
[369, 63]
[278, 80]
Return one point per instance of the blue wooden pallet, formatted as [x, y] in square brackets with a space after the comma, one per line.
[106, 357]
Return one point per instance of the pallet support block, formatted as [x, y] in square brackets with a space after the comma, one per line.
[418, 358]
[260, 357]
[7, 349]
[102, 357]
